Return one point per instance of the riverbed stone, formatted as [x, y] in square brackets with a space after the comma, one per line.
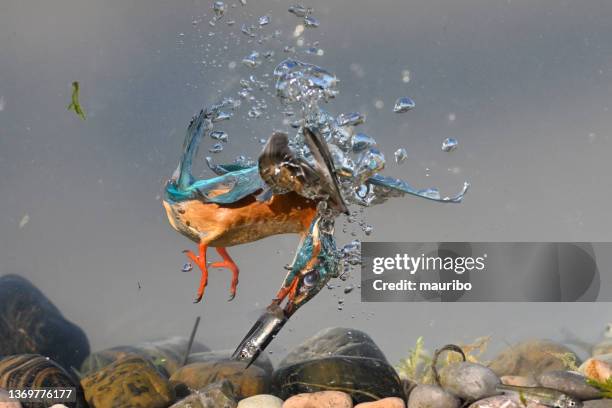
[365, 379]
[5, 401]
[498, 401]
[31, 324]
[216, 395]
[597, 368]
[569, 382]
[261, 401]
[393, 402]
[531, 357]
[246, 381]
[519, 381]
[335, 341]
[167, 354]
[263, 361]
[469, 381]
[132, 382]
[432, 396]
[322, 399]
[602, 403]
[33, 371]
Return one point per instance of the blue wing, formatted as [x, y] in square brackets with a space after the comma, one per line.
[224, 189]
[390, 186]
[235, 182]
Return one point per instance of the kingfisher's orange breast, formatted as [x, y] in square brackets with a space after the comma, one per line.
[247, 220]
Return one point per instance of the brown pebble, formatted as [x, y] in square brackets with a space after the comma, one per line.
[322, 399]
[392, 402]
[519, 381]
[596, 369]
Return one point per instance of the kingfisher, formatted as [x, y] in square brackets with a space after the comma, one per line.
[245, 203]
[283, 193]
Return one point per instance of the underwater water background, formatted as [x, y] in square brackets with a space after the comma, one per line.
[526, 88]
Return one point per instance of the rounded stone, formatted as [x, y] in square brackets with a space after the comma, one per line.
[167, 354]
[5, 401]
[335, 341]
[432, 396]
[602, 403]
[246, 381]
[335, 399]
[519, 381]
[498, 401]
[217, 395]
[604, 347]
[531, 357]
[383, 403]
[469, 381]
[599, 368]
[570, 383]
[261, 401]
[263, 361]
[133, 382]
[31, 324]
[365, 379]
[32, 371]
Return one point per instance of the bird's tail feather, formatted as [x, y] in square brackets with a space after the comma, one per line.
[197, 127]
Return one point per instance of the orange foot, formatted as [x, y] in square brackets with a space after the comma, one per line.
[199, 260]
[227, 262]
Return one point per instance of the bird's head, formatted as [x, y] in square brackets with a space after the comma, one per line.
[316, 262]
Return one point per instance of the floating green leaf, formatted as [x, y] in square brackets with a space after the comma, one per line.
[74, 104]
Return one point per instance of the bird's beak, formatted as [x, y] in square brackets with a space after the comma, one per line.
[261, 334]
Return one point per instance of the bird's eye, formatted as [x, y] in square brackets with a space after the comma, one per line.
[311, 278]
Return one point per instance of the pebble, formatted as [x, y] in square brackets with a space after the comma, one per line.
[246, 381]
[33, 371]
[335, 341]
[519, 381]
[383, 403]
[263, 361]
[216, 395]
[605, 346]
[31, 324]
[131, 382]
[597, 368]
[570, 383]
[469, 381]
[261, 401]
[5, 402]
[602, 403]
[165, 353]
[429, 396]
[499, 401]
[365, 379]
[531, 357]
[322, 399]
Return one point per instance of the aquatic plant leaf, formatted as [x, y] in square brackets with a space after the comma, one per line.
[605, 387]
[75, 104]
[417, 366]
[568, 360]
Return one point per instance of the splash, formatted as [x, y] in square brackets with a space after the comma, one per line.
[299, 90]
